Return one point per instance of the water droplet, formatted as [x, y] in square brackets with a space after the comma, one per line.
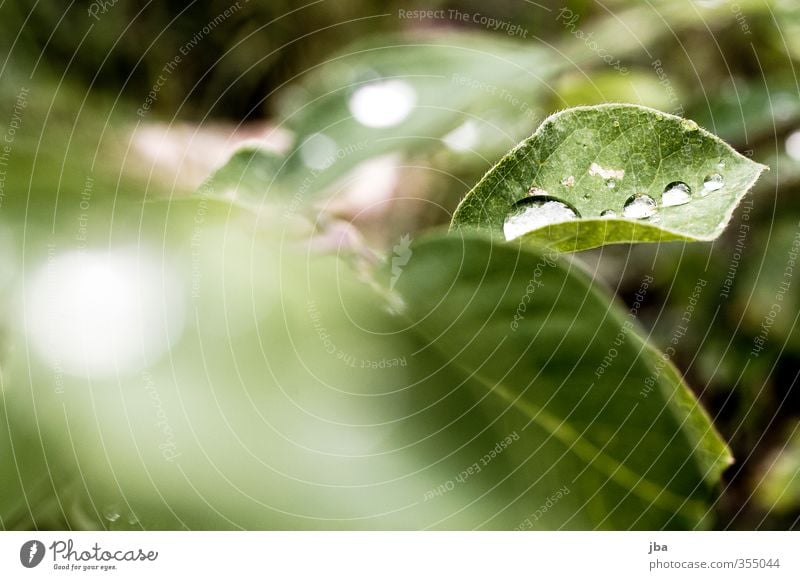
[608, 213]
[111, 514]
[721, 164]
[535, 212]
[676, 193]
[615, 123]
[712, 183]
[568, 181]
[689, 125]
[639, 206]
[587, 195]
[611, 183]
[132, 519]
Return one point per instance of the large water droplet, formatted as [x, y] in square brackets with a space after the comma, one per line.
[712, 183]
[608, 213]
[535, 212]
[676, 193]
[639, 206]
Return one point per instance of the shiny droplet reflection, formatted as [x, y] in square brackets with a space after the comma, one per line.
[111, 514]
[676, 193]
[462, 138]
[639, 206]
[383, 103]
[103, 313]
[536, 212]
[712, 183]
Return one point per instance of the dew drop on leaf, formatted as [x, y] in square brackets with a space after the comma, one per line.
[689, 125]
[712, 183]
[535, 212]
[639, 206]
[111, 514]
[676, 193]
[608, 213]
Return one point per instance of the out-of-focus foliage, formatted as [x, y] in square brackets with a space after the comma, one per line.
[211, 392]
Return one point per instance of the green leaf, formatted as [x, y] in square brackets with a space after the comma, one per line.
[595, 159]
[440, 84]
[778, 489]
[251, 176]
[382, 419]
[544, 352]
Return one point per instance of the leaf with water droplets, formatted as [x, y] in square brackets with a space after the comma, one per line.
[634, 174]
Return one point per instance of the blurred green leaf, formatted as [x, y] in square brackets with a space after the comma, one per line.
[446, 417]
[778, 487]
[541, 349]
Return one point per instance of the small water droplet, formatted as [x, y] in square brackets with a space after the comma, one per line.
[111, 514]
[568, 181]
[712, 183]
[611, 183]
[615, 123]
[535, 212]
[132, 519]
[639, 206]
[608, 213]
[587, 195]
[689, 125]
[676, 193]
[721, 164]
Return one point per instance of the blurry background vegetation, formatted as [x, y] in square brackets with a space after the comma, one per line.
[275, 74]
